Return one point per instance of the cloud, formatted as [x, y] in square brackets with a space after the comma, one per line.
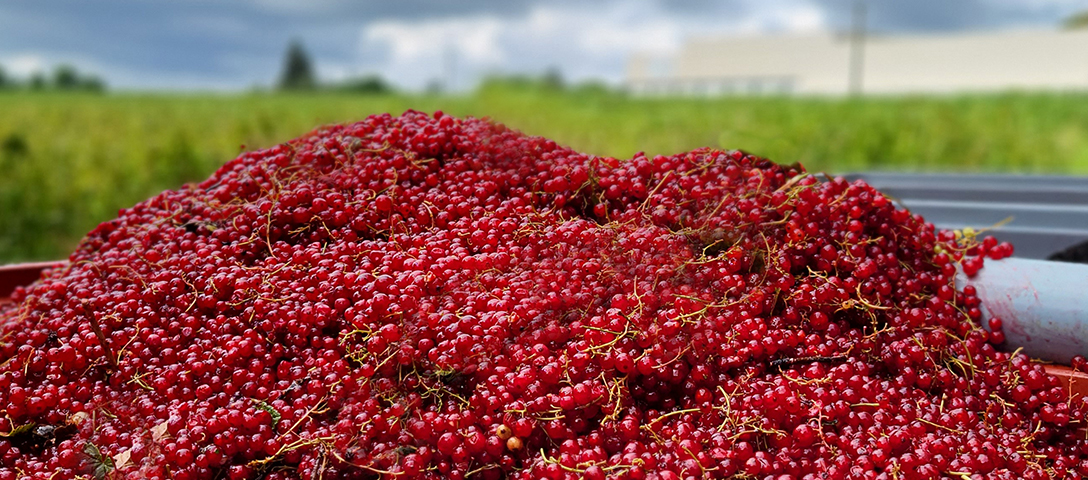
[584, 42]
[25, 65]
[898, 16]
[198, 44]
[406, 10]
[473, 38]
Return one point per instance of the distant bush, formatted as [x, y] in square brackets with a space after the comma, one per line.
[66, 77]
[1076, 21]
[550, 82]
[370, 84]
[37, 81]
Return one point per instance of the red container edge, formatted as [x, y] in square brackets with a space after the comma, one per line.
[23, 274]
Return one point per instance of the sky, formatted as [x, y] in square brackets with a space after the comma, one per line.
[240, 44]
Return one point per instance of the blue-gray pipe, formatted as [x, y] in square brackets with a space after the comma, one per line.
[1043, 305]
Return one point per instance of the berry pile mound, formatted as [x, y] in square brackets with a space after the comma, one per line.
[428, 297]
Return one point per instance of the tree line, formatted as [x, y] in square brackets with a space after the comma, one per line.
[64, 77]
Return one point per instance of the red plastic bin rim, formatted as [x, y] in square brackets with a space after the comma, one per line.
[23, 274]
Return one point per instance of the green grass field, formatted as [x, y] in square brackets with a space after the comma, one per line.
[69, 161]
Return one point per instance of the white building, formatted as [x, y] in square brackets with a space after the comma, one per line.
[820, 64]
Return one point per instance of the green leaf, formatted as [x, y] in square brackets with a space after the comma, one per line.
[103, 464]
[271, 411]
[19, 431]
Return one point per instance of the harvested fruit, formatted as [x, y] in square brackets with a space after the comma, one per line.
[427, 297]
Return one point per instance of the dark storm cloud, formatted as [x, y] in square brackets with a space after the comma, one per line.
[913, 15]
[212, 39]
[209, 39]
[898, 16]
[216, 44]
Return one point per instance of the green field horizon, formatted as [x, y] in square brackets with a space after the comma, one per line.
[69, 161]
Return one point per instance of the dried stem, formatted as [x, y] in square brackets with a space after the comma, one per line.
[101, 336]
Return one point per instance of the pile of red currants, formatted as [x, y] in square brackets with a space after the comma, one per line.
[429, 297]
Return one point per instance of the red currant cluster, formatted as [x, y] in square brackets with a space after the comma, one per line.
[428, 297]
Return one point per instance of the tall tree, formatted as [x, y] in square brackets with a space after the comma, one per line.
[298, 72]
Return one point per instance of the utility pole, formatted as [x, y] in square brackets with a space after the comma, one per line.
[857, 48]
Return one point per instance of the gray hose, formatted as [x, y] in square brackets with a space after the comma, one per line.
[1043, 305]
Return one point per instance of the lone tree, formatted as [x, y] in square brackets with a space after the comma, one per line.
[298, 71]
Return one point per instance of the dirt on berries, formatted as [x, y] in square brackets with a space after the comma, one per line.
[430, 297]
